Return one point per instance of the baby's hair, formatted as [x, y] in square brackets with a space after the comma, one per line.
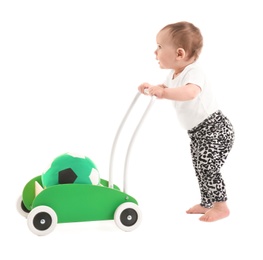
[187, 36]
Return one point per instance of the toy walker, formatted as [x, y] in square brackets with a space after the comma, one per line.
[72, 191]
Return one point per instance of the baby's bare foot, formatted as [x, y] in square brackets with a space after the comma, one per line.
[197, 209]
[219, 211]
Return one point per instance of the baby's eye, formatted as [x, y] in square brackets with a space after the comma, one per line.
[159, 46]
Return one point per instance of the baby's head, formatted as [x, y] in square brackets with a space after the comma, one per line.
[187, 36]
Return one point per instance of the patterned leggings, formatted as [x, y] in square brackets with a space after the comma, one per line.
[211, 142]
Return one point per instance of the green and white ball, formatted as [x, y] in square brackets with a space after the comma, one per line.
[68, 168]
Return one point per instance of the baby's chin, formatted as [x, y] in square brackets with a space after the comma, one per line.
[161, 66]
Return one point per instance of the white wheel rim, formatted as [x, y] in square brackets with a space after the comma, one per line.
[118, 216]
[19, 207]
[34, 214]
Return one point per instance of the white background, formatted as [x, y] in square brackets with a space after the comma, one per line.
[70, 69]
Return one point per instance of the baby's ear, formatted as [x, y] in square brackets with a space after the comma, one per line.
[180, 53]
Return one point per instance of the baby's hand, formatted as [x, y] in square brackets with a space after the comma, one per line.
[143, 88]
[157, 91]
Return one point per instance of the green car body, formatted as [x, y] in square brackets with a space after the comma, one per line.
[76, 202]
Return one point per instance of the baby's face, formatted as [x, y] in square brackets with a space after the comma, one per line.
[165, 52]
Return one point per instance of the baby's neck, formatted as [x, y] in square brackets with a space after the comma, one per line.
[180, 68]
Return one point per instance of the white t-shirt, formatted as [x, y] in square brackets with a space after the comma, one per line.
[191, 113]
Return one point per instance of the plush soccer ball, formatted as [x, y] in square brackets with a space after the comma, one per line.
[68, 168]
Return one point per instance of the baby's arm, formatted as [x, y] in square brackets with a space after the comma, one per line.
[183, 93]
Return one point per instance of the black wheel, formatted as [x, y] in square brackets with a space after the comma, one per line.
[21, 208]
[42, 220]
[127, 216]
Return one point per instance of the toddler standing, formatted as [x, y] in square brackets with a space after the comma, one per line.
[211, 133]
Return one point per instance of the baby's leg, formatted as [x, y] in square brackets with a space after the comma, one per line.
[208, 158]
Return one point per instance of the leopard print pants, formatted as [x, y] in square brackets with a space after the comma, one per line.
[211, 142]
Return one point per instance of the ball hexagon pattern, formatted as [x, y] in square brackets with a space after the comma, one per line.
[68, 168]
